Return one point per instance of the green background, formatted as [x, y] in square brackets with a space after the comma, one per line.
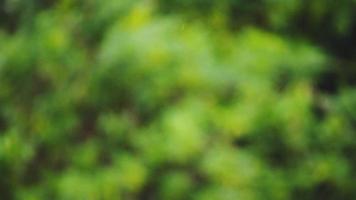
[177, 99]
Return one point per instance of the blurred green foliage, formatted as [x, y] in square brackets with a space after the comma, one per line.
[190, 99]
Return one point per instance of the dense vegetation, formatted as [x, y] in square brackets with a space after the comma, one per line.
[168, 99]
